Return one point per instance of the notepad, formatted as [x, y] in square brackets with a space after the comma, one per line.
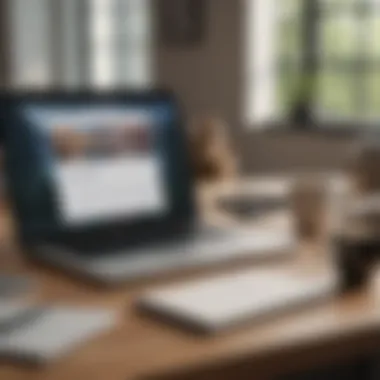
[222, 302]
[54, 333]
[12, 311]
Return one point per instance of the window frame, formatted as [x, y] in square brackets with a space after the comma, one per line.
[311, 64]
[68, 47]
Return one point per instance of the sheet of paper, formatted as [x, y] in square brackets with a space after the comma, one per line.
[56, 333]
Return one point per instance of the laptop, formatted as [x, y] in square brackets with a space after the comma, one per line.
[101, 186]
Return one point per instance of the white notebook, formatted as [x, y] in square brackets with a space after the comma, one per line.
[218, 303]
[52, 333]
[13, 311]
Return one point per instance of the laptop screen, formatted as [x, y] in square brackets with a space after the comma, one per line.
[104, 161]
[87, 163]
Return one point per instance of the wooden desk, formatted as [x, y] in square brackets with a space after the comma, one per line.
[139, 347]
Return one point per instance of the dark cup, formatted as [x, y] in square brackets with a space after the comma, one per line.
[354, 260]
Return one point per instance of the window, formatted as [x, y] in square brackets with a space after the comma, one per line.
[325, 51]
[119, 42]
[349, 62]
[99, 43]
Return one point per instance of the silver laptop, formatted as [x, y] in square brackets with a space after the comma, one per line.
[102, 187]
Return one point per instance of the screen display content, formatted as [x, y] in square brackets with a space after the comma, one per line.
[105, 163]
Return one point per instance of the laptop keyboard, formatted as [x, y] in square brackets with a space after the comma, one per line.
[195, 236]
[198, 250]
[202, 250]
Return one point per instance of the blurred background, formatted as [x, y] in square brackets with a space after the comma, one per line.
[282, 65]
[294, 84]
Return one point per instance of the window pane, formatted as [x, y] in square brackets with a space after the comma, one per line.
[289, 45]
[261, 54]
[30, 51]
[287, 81]
[335, 96]
[287, 8]
[339, 36]
[372, 83]
[289, 29]
[372, 28]
[102, 36]
[120, 43]
[348, 57]
[374, 4]
[289, 39]
[337, 5]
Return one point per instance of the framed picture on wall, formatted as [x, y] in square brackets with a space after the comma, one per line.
[182, 22]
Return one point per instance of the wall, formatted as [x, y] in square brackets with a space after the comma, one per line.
[209, 78]
[295, 151]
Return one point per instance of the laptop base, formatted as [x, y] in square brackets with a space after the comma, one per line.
[128, 265]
